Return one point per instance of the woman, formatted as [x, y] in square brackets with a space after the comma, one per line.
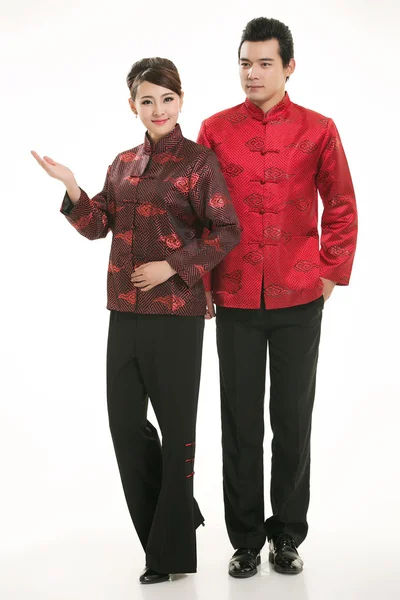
[160, 199]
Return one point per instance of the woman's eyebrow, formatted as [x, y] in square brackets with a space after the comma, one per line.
[152, 97]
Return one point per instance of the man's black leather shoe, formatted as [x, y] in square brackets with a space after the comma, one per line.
[150, 576]
[284, 556]
[244, 562]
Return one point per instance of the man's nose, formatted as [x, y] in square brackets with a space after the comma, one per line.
[252, 74]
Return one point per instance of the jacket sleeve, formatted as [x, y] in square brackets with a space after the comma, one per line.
[90, 217]
[211, 202]
[204, 141]
[339, 218]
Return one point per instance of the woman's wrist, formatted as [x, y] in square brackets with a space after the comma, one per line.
[73, 190]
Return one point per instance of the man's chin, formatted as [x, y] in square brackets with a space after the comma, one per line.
[257, 95]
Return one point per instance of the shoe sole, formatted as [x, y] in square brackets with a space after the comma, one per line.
[280, 569]
[160, 580]
[249, 574]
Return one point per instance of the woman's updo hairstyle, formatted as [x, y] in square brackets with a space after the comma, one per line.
[159, 71]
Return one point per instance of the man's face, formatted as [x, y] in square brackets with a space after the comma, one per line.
[262, 74]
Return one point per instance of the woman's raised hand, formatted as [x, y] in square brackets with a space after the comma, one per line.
[60, 172]
[54, 169]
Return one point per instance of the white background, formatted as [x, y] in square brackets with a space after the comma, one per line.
[65, 529]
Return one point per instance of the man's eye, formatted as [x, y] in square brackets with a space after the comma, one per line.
[266, 64]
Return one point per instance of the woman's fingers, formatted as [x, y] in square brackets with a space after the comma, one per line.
[210, 305]
[143, 285]
[36, 155]
[38, 158]
[46, 160]
[53, 168]
[50, 161]
[45, 165]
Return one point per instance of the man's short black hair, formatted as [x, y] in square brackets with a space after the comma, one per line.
[262, 29]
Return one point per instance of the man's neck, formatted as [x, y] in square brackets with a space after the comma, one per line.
[271, 102]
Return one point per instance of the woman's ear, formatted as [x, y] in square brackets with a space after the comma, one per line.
[133, 106]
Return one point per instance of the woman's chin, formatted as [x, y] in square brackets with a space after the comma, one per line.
[158, 131]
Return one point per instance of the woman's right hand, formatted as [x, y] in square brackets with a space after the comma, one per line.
[54, 169]
[60, 172]
[210, 310]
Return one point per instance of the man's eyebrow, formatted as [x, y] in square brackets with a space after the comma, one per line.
[258, 60]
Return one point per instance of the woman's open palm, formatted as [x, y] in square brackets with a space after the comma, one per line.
[53, 168]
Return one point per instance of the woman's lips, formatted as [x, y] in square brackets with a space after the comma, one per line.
[160, 122]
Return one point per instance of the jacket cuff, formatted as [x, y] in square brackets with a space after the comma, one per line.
[67, 205]
[188, 273]
[335, 274]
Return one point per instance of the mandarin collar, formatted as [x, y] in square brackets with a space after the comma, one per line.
[167, 143]
[275, 112]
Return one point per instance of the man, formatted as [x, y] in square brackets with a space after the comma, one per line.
[270, 291]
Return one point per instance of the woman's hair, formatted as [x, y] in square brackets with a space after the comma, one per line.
[159, 71]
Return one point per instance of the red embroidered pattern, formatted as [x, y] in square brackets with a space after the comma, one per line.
[275, 164]
[156, 200]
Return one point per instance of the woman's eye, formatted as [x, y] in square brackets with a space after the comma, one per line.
[169, 99]
[146, 102]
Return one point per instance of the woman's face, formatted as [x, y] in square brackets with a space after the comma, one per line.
[158, 108]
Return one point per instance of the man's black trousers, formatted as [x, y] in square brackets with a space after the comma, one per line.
[292, 336]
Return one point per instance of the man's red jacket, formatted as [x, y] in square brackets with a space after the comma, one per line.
[275, 164]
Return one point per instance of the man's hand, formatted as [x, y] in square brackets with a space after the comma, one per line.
[210, 312]
[328, 288]
[151, 274]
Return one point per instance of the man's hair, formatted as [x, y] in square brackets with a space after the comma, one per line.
[262, 29]
[159, 71]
